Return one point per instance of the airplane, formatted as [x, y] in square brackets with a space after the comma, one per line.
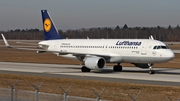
[95, 53]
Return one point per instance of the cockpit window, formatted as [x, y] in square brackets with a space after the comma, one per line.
[164, 47]
[160, 47]
[155, 47]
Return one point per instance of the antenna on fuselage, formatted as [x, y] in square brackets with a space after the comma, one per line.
[151, 37]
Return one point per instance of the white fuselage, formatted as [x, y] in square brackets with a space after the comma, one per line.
[112, 50]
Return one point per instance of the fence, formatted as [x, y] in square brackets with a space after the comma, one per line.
[26, 95]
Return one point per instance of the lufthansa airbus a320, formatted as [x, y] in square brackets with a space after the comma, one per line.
[95, 53]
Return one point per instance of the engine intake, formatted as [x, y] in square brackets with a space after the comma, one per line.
[95, 62]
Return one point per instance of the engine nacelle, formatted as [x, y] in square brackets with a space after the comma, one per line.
[95, 62]
[142, 65]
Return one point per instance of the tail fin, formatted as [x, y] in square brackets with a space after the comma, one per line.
[50, 31]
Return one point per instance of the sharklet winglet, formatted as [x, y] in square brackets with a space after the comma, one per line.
[5, 41]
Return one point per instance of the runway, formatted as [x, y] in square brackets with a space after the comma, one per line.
[163, 76]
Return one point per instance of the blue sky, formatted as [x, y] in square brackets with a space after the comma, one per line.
[68, 14]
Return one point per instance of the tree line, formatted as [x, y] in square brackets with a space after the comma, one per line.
[159, 33]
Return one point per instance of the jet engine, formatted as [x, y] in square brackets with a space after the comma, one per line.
[141, 65]
[95, 62]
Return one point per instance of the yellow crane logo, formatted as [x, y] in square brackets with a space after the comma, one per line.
[47, 24]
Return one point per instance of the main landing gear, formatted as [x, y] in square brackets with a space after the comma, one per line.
[151, 71]
[85, 69]
[117, 68]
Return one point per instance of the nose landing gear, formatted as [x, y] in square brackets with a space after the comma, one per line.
[151, 71]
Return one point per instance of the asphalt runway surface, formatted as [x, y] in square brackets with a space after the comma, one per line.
[163, 76]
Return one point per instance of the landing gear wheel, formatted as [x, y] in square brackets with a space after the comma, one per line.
[117, 68]
[151, 71]
[85, 69]
[151, 68]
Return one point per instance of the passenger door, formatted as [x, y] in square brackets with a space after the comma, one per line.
[143, 48]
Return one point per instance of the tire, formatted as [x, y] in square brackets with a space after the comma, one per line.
[85, 69]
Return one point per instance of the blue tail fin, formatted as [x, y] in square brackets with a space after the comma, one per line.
[50, 31]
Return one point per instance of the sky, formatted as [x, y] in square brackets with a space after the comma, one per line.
[72, 14]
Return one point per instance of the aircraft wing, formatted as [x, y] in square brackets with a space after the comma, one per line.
[19, 47]
[27, 43]
[30, 49]
[105, 55]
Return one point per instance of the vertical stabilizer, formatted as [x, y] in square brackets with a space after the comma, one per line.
[50, 31]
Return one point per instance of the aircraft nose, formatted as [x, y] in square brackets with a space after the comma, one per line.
[170, 55]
